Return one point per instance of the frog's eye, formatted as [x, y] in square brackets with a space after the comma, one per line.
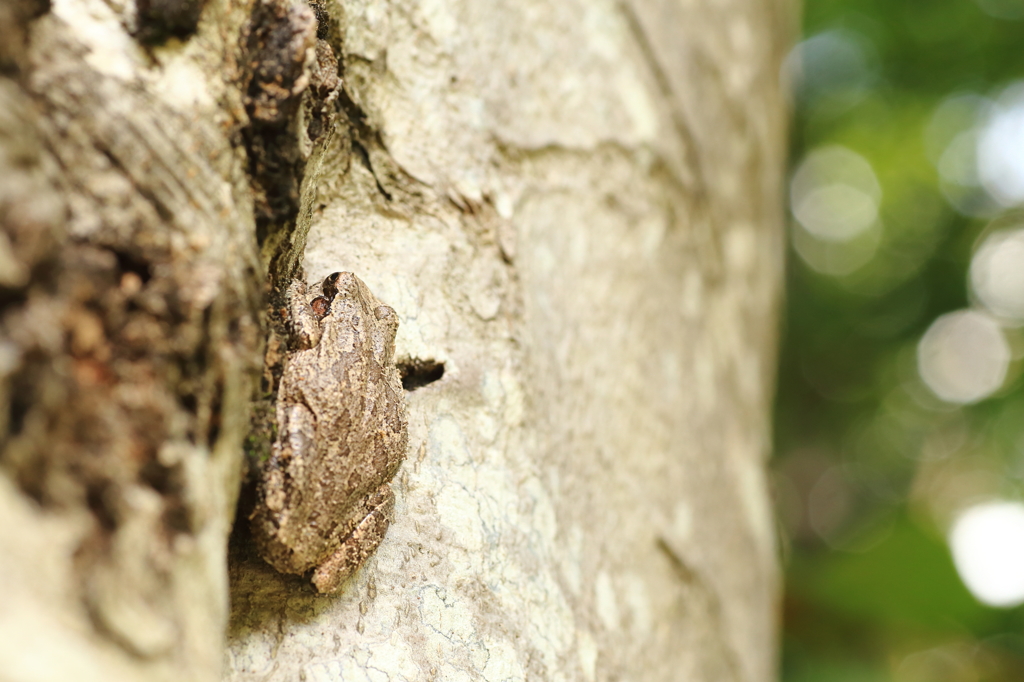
[330, 286]
[321, 306]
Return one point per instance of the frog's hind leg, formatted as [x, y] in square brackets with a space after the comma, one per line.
[360, 543]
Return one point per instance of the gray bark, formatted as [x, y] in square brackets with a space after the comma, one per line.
[574, 208]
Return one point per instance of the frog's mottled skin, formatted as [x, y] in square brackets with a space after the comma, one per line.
[324, 502]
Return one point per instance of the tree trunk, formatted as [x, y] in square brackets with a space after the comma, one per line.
[575, 210]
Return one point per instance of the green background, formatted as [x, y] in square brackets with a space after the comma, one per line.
[877, 597]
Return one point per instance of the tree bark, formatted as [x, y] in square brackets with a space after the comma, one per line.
[575, 209]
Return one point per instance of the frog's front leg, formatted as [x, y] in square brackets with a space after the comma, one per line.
[379, 509]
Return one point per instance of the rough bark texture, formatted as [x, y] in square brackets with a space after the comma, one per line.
[575, 209]
[129, 337]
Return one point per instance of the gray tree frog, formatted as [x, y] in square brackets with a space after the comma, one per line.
[323, 501]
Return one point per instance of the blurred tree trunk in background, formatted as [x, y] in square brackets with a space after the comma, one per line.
[575, 209]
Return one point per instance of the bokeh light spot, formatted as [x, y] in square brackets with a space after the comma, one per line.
[1000, 162]
[987, 542]
[955, 114]
[836, 213]
[958, 163]
[835, 197]
[963, 357]
[833, 63]
[997, 274]
[832, 165]
[951, 141]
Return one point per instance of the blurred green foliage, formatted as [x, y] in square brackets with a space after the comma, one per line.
[872, 592]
